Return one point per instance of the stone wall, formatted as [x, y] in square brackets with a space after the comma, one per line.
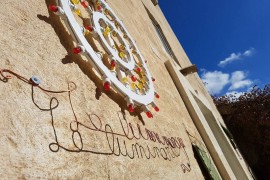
[78, 134]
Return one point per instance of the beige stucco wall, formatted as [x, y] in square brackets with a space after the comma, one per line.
[169, 34]
[35, 42]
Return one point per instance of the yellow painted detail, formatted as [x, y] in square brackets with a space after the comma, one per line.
[143, 80]
[75, 1]
[78, 12]
[140, 86]
[124, 80]
[107, 30]
[86, 32]
[122, 55]
[142, 73]
[133, 86]
[98, 3]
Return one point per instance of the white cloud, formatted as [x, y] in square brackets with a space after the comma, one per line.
[229, 59]
[236, 56]
[235, 93]
[249, 52]
[202, 70]
[238, 81]
[215, 81]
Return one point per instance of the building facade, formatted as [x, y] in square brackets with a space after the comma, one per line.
[59, 120]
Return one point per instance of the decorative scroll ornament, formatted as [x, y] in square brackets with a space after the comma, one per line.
[124, 68]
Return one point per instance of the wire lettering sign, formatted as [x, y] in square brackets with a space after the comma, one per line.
[117, 142]
[131, 141]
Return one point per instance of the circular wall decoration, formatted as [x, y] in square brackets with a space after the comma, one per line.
[118, 60]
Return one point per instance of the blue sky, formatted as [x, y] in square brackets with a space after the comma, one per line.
[229, 41]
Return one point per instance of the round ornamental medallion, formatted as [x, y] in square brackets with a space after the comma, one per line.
[103, 39]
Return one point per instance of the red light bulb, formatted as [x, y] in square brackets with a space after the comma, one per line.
[77, 50]
[89, 28]
[156, 95]
[99, 8]
[138, 69]
[149, 114]
[84, 4]
[156, 109]
[113, 63]
[133, 78]
[53, 8]
[131, 108]
[107, 86]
